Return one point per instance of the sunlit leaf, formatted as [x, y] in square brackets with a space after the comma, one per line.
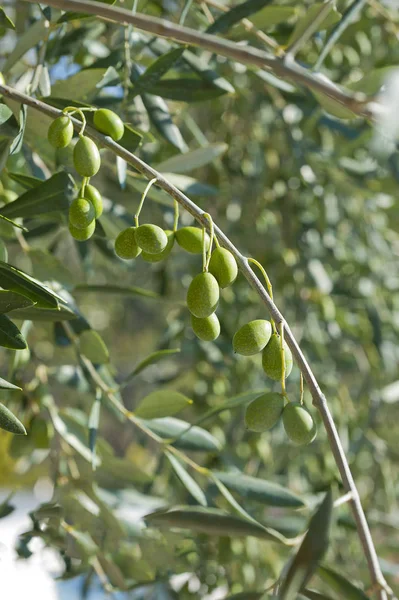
[12, 301]
[10, 335]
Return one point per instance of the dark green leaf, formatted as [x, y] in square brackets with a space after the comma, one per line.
[47, 197]
[26, 181]
[10, 335]
[18, 281]
[93, 347]
[6, 385]
[185, 89]
[12, 301]
[210, 521]
[6, 508]
[154, 357]
[157, 70]
[63, 313]
[162, 403]
[235, 14]
[131, 139]
[311, 551]
[342, 586]
[261, 490]
[9, 421]
[189, 483]
[5, 21]
[48, 267]
[195, 439]
[201, 67]
[159, 115]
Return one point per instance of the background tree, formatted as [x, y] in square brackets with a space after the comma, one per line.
[272, 125]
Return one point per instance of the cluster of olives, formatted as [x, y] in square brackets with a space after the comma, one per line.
[88, 207]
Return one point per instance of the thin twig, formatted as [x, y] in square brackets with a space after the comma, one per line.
[357, 103]
[319, 400]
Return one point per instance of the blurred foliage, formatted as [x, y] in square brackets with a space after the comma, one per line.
[292, 185]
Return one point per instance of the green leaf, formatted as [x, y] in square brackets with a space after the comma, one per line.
[5, 113]
[152, 358]
[48, 267]
[131, 139]
[63, 313]
[26, 181]
[9, 421]
[13, 300]
[200, 66]
[192, 160]
[189, 483]
[156, 70]
[270, 16]
[195, 439]
[10, 335]
[93, 347]
[186, 89]
[311, 551]
[115, 289]
[72, 16]
[81, 86]
[162, 403]
[235, 14]
[342, 586]
[5, 21]
[17, 281]
[32, 36]
[231, 500]
[159, 115]
[17, 142]
[312, 595]
[306, 21]
[47, 197]
[210, 521]
[6, 385]
[261, 490]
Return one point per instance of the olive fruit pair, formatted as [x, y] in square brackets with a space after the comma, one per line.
[149, 239]
[256, 336]
[266, 410]
[83, 212]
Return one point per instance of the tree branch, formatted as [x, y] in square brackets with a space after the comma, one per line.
[358, 103]
[319, 399]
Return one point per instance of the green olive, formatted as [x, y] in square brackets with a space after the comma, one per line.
[252, 337]
[153, 258]
[203, 295]
[272, 360]
[190, 239]
[151, 238]
[82, 235]
[298, 424]
[60, 132]
[264, 412]
[223, 266]
[207, 329]
[86, 157]
[125, 244]
[92, 194]
[109, 123]
[81, 213]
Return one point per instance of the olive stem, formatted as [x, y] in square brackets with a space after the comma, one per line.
[283, 389]
[211, 238]
[301, 388]
[204, 267]
[319, 400]
[143, 197]
[73, 110]
[268, 285]
[176, 216]
[85, 182]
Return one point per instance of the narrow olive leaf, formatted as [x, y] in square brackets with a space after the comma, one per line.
[47, 197]
[159, 116]
[162, 403]
[341, 585]
[17, 281]
[9, 421]
[93, 347]
[210, 521]
[115, 289]
[189, 483]
[313, 595]
[307, 20]
[81, 86]
[112, 571]
[94, 423]
[6, 385]
[231, 500]
[10, 335]
[196, 439]
[201, 67]
[186, 89]
[192, 160]
[12, 301]
[157, 70]
[72, 16]
[151, 359]
[235, 14]
[32, 36]
[25, 181]
[17, 142]
[63, 313]
[267, 492]
[5, 21]
[131, 139]
[311, 551]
